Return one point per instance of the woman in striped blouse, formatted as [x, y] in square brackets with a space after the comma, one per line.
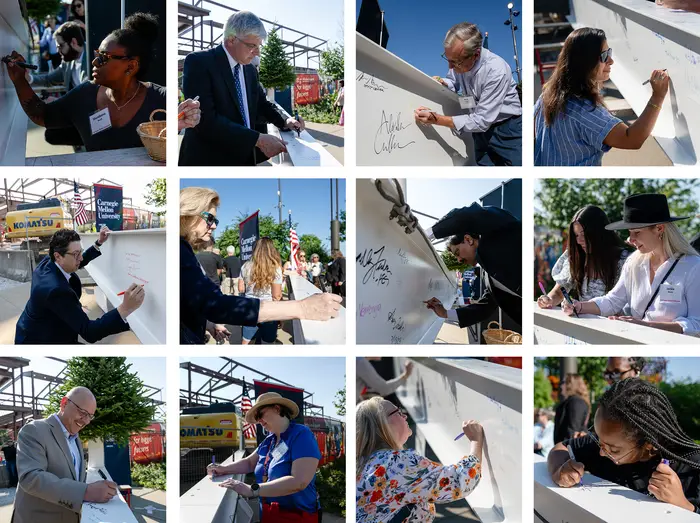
[572, 124]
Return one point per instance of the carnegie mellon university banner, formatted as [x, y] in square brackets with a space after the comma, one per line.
[108, 207]
[249, 232]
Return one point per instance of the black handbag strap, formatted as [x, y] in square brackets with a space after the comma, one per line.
[668, 273]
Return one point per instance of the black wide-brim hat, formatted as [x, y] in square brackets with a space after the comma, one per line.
[644, 210]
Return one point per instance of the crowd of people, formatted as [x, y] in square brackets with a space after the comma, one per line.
[653, 279]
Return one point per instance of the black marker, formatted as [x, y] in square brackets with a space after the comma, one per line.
[102, 474]
[296, 117]
[8, 59]
[568, 298]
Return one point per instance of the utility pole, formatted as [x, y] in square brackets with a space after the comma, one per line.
[279, 199]
[335, 223]
[514, 28]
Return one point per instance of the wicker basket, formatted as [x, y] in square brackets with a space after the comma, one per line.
[500, 336]
[153, 134]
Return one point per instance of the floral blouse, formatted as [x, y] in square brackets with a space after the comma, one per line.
[394, 480]
[561, 273]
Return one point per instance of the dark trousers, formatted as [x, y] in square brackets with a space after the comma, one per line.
[501, 145]
[12, 470]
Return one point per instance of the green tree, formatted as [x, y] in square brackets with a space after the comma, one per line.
[333, 63]
[40, 9]
[156, 195]
[452, 263]
[275, 70]
[684, 396]
[4, 437]
[122, 407]
[277, 232]
[342, 226]
[339, 402]
[543, 390]
[311, 244]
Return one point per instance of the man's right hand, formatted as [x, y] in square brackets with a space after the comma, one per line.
[569, 474]
[440, 80]
[15, 72]
[437, 307]
[321, 307]
[133, 298]
[100, 491]
[270, 145]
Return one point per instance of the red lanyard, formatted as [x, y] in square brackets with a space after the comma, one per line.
[266, 465]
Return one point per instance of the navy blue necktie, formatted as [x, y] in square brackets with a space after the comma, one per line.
[75, 284]
[239, 93]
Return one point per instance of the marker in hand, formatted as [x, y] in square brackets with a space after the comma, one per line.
[459, 435]
[568, 298]
[544, 291]
[181, 115]
[122, 293]
[8, 59]
[649, 80]
[102, 474]
[573, 458]
[296, 117]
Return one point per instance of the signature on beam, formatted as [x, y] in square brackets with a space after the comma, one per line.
[368, 82]
[378, 269]
[386, 139]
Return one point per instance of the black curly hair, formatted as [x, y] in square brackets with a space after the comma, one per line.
[648, 416]
[137, 37]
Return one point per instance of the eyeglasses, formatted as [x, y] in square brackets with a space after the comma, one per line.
[615, 460]
[84, 413]
[102, 57]
[209, 218]
[455, 63]
[605, 55]
[76, 255]
[252, 47]
[400, 411]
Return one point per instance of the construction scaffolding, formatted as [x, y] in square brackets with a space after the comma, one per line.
[197, 30]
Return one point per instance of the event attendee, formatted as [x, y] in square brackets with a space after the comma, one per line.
[284, 464]
[9, 452]
[572, 124]
[191, 114]
[107, 110]
[660, 282]
[73, 70]
[232, 272]
[636, 442]
[261, 278]
[544, 432]
[54, 314]
[51, 465]
[335, 273]
[231, 98]
[491, 237]
[369, 383]
[315, 267]
[592, 262]
[211, 262]
[48, 43]
[572, 413]
[303, 265]
[340, 102]
[398, 484]
[202, 300]
[622, 368]
[77, 14]
[493, 112]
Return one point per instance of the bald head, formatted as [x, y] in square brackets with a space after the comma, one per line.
[77, 409]
[80, 394]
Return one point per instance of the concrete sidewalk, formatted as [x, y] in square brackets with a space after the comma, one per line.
[331, 136]
[13, 300]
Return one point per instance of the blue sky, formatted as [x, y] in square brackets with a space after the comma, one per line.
[680, 368]
[308, 199]
[321, 376]
[417, 29]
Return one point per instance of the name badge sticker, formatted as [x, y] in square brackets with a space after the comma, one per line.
[670, 293]
[100, 121]
[280, 451]
[467, 102]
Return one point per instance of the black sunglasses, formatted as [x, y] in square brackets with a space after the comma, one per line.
[605, 55]
[209, 218]
[102, 57]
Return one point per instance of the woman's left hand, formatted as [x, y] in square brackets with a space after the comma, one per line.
[237, 486]
[191, 114]
[628, 319]
[665, 486]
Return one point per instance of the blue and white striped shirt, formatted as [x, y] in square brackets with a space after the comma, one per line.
[576, 136]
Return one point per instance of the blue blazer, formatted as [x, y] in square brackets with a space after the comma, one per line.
[221, 138]
[202, 300]
[54, 315]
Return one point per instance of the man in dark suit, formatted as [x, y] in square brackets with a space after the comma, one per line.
[53, 314]
[492, 238]
[232, 100]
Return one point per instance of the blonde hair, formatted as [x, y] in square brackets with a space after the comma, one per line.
[265, 263]
[576, 386]
[372, 431]
[193, 201]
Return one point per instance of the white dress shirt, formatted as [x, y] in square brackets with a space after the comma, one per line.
[678, 299]
[491, 84]
[72, 440]
[232, 62]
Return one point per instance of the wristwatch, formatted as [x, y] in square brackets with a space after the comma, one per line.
[98, 244]
[256, 490]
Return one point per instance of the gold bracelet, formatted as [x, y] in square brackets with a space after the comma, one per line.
[654, 106]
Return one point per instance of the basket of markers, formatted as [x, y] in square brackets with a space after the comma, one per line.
[498, 336]
[153, 134]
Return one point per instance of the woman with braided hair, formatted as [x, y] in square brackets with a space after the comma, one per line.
[637, 443]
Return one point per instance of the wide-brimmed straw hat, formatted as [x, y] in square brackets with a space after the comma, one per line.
[644, 210]
[270, 398]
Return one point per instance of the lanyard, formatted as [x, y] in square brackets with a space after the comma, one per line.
[660, 284]
[266, 465]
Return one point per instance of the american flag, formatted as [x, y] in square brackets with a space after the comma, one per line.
[81, 217]
[294, 246]
[248, 428]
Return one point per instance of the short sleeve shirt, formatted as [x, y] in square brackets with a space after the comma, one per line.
[251, 291]
[296, 442]
[575, 137]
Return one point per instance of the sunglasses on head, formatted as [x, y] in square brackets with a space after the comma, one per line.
[605, 55]
[103, 57]
[209, 218]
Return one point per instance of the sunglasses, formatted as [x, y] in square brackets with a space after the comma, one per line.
[103, 57]
[209, 218]
[398, 410]
[84, 413]
[259, 415]
[605, 55]
[615, 375]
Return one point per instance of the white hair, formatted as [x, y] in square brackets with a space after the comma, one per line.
[468, 34]
[242, 24]
[230, 250]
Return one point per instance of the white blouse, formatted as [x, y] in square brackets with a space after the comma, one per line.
[678, 299]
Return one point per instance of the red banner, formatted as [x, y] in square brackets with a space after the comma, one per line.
[147, 447]
[306, 89]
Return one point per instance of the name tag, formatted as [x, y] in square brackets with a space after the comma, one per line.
[670, 293]
[280, 451]
[467, 102]
[100, 121]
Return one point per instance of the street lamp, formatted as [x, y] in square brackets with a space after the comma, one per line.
[514, 28]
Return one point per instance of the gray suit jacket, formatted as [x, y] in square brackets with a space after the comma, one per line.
[62, 75]
[48, 491]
